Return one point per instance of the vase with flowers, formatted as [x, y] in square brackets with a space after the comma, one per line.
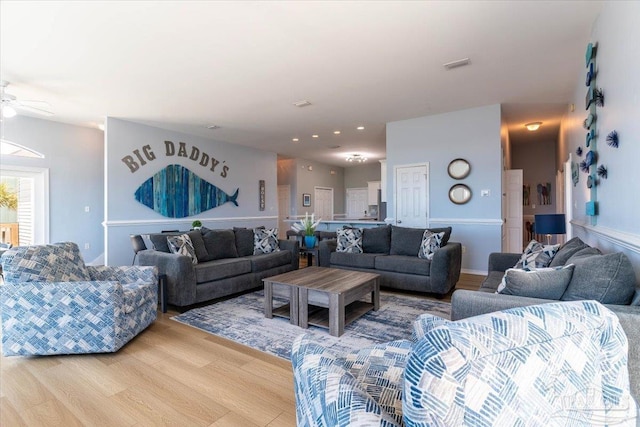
[307, 225]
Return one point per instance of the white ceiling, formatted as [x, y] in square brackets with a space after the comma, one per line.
[241, 65]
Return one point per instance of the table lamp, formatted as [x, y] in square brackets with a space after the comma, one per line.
[550, 224]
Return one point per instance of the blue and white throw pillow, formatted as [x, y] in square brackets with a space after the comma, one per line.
[265, 241]
[431, 242]
[182, 245]
[349, 240]
[537, 255]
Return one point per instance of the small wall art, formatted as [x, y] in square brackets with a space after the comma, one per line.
[526, 195]
[544, 193]
[306, 199]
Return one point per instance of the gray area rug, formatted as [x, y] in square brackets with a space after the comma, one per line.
[242, 320]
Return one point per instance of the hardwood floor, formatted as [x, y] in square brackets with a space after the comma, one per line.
[171, 374]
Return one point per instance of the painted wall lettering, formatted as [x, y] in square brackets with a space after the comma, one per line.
[142, 156]
[196, 155]
[134, 165]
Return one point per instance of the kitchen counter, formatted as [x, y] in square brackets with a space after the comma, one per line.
[333, 225]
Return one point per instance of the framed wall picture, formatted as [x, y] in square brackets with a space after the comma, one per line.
[306, 199]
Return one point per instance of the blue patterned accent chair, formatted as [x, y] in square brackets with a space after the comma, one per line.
[552, 364]
[52, 303]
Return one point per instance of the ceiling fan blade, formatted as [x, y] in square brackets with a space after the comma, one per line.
[36, 104]
[35, 110]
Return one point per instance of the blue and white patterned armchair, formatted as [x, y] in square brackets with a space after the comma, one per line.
[553, 364]
[52, 303]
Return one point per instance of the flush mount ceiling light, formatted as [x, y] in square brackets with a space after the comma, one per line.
[356, 158]
[533, 126]
[303, 103]
[458, 63]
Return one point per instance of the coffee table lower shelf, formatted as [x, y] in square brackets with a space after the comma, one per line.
[319, 316]
[283, 311]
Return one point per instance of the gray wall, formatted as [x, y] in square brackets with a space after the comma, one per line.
[472, 134]
[319, 176]
[618, 60]
[124, 215]
[357, 176]
[537, 161]
[73, 155]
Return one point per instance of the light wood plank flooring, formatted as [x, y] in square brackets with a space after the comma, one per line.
[171, 374]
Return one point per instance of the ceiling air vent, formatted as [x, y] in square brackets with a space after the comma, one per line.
[303, 103]
[458, 63]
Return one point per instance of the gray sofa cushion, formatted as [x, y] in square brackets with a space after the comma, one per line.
[376, 240]
[608, 279]
[220, 244]
[566, 251]
[244, 241]
[404, 264]
[547, 283]
[406, 241]
[584, 253]
[264, 262]
[348, 259]
[221, 269]
[492, 281]
[198, 245]
[159, 241]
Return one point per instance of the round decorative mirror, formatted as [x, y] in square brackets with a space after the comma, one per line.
[459, 194]
[459, 168]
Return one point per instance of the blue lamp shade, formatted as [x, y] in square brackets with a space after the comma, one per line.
[550, 224]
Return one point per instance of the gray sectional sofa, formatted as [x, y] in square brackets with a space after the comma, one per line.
[606, 278]
[226, 264]
[392, 252]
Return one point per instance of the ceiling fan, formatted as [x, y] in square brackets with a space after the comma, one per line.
[10, 104]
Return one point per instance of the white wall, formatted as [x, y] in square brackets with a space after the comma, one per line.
[319, 176]
[73, 155]
[474, 135]
[617, 32]
[124, 215]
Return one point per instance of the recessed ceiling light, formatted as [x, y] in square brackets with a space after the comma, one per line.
[533, 126]
[314, 136]
[336, 132]
[213, 127]
[295, 140]
[360, 128]
[457, 63]
[303, 103]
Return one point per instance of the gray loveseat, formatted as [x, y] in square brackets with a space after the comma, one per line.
[392, 252]
[226, 264]
[607, 278]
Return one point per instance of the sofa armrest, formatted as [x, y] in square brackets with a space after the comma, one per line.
[324, 251]
[294, 247]
[445, 267]
[59, 317]
[501, 261]
[328, 394]
[466, 303]
[124, 274]
[181, 277]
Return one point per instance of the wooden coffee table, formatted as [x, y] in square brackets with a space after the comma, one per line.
[326, 297]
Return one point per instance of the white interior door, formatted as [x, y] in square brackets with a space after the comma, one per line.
[357, 202]
[568, 197]
[411, 195]
[323, 203]
[512, 201]
[284, 206]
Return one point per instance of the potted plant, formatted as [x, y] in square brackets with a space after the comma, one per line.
[308, 227]
[197, 225]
